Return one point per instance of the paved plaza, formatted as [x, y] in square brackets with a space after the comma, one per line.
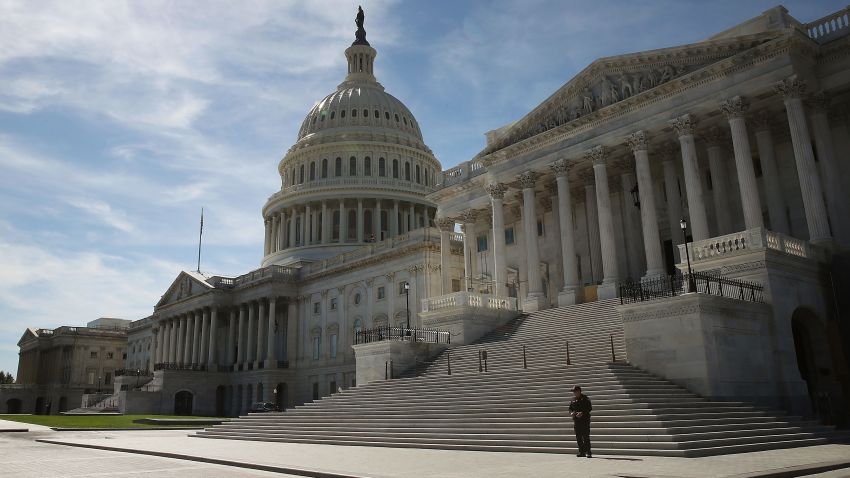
[41, 453]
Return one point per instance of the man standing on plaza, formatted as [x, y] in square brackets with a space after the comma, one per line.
[580, 411]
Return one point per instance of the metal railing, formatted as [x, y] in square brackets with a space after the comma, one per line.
[699, 282]
[185, 367]
[132, 372]
[379, 334]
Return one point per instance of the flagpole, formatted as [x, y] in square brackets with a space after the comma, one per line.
[200, 236]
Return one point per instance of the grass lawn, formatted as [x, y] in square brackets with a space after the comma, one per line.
[93, 421]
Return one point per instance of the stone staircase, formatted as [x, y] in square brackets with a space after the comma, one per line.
[513, 408]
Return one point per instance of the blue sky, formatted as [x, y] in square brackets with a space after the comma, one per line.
[119, 120]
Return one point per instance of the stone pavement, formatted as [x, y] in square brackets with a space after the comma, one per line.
[23, 457]
[378, 462]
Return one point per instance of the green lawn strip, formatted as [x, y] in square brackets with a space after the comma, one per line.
[93, 421]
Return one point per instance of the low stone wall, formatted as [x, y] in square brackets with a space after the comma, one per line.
[466, 324]
[716, 347]
[372, 358]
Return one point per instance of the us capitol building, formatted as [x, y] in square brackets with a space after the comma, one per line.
[737, 144]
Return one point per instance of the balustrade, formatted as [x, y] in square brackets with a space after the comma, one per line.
[469, 299]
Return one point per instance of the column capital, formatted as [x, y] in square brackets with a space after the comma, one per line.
[445, 224]
[496, 190]
[684, 125]
[561, 167]
[819, 101]
[597, 154]
[790, 88]
[668, 152]
[637, 141]
[735, 107]
[587, 177]
[527, 179]
[469, 216]
[762, 120]
[715, 137]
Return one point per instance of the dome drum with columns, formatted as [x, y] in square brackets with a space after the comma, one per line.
[358, 173]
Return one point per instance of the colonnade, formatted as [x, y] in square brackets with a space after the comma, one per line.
[347, 220]
[792, 92]
[190, 339]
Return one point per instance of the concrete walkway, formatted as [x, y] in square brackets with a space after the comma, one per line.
[377, 462]
[10, 426]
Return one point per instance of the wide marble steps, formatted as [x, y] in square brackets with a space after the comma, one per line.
[522, 406]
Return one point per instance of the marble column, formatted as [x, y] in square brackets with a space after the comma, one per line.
[447, 227]
[674, 197]
[770, 173]
[326, 232]
[262, 320]
[156, 343]
[571, 291]
[610, 274]
[394, 220]
[174, 329]
[592, 222]
[292, 231]
[411, 224]
[715, 145]
[196, 338]
[698, 224]
[232, 326]
[631, 222]
[343, 222]
[792, 91]
[212, 342]
[639, 143]
[468, 221]
[535, 299]
[500, 269]
[165, 352]
[830, 174]
[188, 338]
[270, 333]
[240, 337]
[305, 216]
[281, 231]
[180, 324]
[274, 239]
[291, 331]
[251, 347]
[735, 108]
[267, 245]
[360, 221]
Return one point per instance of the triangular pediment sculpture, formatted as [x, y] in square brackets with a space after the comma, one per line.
[187, 284]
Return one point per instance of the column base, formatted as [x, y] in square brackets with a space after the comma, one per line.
[606, 290]
[569, 296]
[534, 303]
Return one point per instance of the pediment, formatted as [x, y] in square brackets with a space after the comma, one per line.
[187, 284]
[29, 335]
[611, 80]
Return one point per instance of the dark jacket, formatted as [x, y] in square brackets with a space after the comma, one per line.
[581, 404]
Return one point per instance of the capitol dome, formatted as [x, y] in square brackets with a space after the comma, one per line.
[358, 173]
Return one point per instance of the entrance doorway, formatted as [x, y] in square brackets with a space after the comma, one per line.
[183, 402]
[13, 406]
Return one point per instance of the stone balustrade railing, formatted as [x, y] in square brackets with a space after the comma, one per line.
[461, 173]
[830, 27]
[750, 240]
[469, 299]
[425, 234]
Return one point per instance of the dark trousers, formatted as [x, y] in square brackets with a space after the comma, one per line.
[582, 428]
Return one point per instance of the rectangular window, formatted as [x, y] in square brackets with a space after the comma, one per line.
[317, 347]
[367, 166]
[107, 378]
[109, 355]
[93, 355]
[317, 307]
[509, 236]
[90, 374]
[333, 339]
[382, 292]
[540, 229]
[482, 243]
[333, 303]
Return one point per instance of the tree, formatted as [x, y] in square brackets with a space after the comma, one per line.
[6, 377]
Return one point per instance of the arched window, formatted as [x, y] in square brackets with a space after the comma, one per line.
[365, 113]
[407, 171]
[342, 114]
[338, 167]
[377, 114]
[387, 115]
[382, 167]
[418, 177]
[395, 168]
[352, 166]
[325, 168]
[312, 171]
[367, 166]
[396, 117]
[301, 175]
[405, 120]
[427, 173]
[333, 113]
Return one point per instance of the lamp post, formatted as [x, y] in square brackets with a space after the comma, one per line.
[138, 372]
[407, 298]
[692, 286]
[636, 196]
[98, 384]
